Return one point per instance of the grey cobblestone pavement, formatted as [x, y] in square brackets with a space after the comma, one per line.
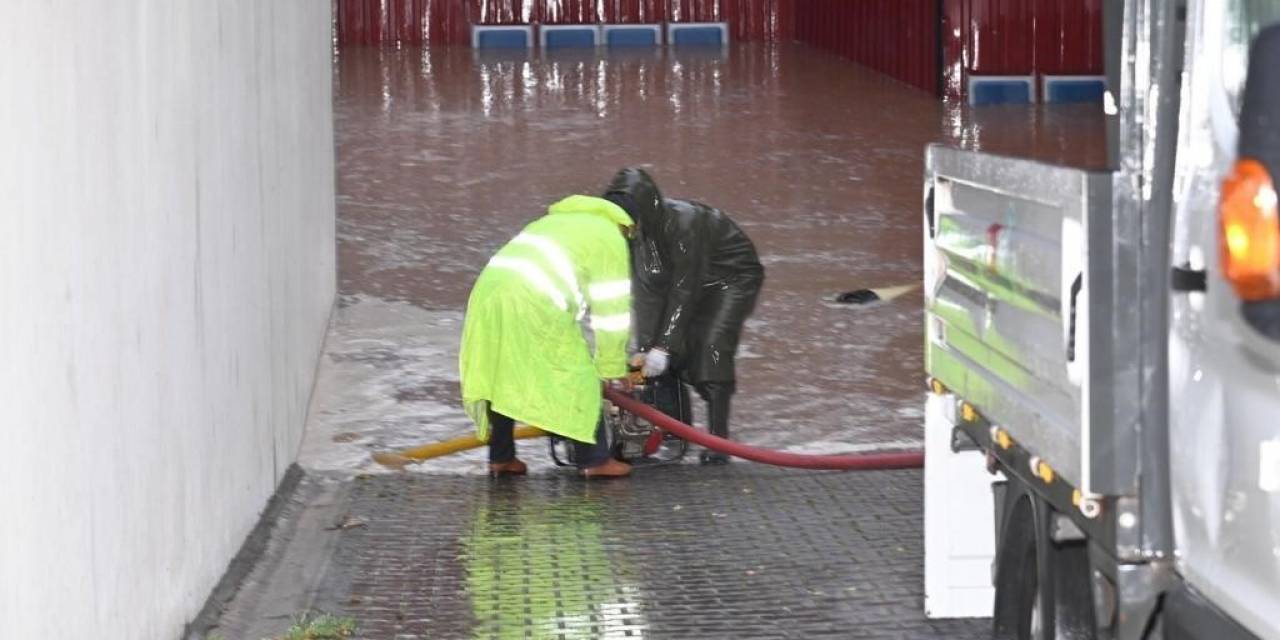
[743, 551]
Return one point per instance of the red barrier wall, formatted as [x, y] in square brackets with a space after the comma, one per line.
[362, 22]
[761, 20]
[921, 42]
[896, 37]
[569, 12]
[449, 21]
[1019, 37]
[909, 39]
[1069, 37]
[634, 11]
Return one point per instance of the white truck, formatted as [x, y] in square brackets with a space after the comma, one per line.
[1107, 343]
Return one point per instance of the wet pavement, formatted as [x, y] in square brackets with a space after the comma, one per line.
[738, 552]
[742, 551]
[442, 156]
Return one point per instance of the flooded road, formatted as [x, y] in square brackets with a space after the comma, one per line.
[444, 154]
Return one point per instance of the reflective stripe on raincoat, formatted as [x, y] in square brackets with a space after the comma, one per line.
[523, 349]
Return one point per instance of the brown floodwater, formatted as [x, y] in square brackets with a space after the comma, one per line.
[444, 154]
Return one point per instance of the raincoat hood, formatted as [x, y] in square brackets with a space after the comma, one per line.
[634, 189]
[594, 206]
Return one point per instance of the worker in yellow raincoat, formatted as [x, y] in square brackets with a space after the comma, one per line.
[525, 356]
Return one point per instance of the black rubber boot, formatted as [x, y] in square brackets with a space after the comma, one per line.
[717, 396]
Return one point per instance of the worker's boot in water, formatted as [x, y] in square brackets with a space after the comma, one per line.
[513, 468]
[610, 468]
[717, 395]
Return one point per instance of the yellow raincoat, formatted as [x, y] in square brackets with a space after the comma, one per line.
[524, 352]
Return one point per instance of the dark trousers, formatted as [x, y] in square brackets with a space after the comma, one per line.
[502, 443]
[711, 345]
[717, 396]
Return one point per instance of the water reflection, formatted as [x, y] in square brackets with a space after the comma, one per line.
[539, 567]
[1070, 134]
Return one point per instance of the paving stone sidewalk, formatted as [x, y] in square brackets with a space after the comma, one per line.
[743, 551]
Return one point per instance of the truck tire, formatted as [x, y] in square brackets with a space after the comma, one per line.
[1043, 586]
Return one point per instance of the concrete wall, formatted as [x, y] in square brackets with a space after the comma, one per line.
[166, 274]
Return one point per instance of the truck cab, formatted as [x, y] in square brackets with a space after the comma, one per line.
[1107, 343]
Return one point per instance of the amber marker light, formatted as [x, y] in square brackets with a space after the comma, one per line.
[1249, 230]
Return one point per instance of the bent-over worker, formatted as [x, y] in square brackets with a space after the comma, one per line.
[524, 354]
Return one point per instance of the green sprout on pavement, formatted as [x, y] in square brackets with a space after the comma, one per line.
[312, 626]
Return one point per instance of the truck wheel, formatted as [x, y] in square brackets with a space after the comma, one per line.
[1043, 586]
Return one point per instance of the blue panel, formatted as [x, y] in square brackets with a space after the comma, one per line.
[698, 35]
[1000, 92]
[557, 38]
[1075, 91]
[631, 38]
[502, 39]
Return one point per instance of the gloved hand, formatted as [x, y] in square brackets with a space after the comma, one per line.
[655, 363]
[636, 361]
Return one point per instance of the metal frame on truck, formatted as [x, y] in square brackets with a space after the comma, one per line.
[1048, 320]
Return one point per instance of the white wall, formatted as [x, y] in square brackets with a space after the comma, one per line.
[166, 274]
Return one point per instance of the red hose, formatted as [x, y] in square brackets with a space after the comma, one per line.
[862, 462]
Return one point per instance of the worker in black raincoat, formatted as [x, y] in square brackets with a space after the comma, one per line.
[695, 279]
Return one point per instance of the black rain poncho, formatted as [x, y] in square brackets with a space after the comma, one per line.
[695, 277]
